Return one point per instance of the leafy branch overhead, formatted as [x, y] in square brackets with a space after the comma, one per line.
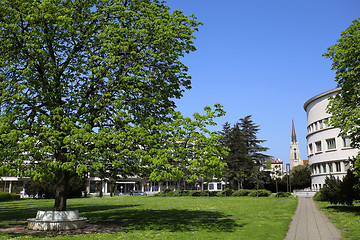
[345, 106]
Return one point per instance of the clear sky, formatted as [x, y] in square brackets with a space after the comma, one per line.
[263, 58]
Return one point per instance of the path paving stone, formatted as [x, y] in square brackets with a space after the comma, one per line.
[308, 223]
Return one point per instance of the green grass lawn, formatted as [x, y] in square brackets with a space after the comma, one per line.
[141, 217]
[345, 218]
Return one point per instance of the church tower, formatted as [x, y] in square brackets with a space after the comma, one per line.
[294, 149]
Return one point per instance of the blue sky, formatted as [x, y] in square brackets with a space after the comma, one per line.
[263, 58]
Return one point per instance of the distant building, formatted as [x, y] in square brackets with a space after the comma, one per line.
[277, 168]
[294, 149]
[327, 151]
[305, 162]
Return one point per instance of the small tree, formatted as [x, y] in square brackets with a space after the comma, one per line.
[338, 191]
[276, 175]
[300, 177]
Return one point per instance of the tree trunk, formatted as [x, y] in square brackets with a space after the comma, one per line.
[111, 188]
[60, 192]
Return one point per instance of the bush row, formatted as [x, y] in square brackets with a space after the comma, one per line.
[206, 193]
[4, 196]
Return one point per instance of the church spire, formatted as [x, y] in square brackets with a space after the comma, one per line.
[293, 135]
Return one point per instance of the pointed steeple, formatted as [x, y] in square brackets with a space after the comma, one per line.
[293, 135]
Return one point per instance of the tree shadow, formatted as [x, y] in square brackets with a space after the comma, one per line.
[343, 208]
[172, 220]
[127, 218]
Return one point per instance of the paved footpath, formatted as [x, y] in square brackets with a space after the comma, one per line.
[308, 223]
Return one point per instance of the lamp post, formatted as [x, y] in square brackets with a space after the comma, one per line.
[288, 177]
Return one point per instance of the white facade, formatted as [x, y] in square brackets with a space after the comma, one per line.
[328, 153]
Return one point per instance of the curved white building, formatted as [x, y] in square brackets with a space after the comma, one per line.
[328, 153]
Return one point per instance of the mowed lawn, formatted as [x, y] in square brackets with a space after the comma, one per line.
[345, 218]
[139, 217]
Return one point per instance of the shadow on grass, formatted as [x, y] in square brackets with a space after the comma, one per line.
[168, 220]
[343, 208]
[128, 218]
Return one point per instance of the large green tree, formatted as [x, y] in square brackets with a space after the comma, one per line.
[345, 106]
[78, 78]
[245, 158]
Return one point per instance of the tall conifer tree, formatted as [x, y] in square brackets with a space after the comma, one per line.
[245, 157]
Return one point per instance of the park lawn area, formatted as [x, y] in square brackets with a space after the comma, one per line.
[140, 217]
[345, 218]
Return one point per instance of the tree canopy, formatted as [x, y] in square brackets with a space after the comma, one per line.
[300, 177]
[78, 78]
[345, 106]
[245, 158]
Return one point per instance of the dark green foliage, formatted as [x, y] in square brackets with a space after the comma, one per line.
[46, 188]
[283, 194]
[225, 193]
[300, 177]
[260, 193]
[4, 196]
[206, 193]
[340, 192]
[319, 197]
[245, 156]
[241, 193]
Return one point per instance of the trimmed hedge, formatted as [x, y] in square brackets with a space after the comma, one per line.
[206, 193]
[260, 193]
[4, 196]
[241, 193]
[283, 194]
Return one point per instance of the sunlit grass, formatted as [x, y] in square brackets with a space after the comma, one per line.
[345, 218]
[168, 217]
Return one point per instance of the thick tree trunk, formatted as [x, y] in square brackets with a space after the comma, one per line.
[60, 192]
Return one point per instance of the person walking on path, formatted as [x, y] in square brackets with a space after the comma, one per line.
[308, 223]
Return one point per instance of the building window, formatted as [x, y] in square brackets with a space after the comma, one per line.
[211, 186]
[310, 149]
[330, 167]
[347, 142]
[324, 167]
[331, 144]
[319, 168]
[219, 186]
[321, 125]
[338, 166]
[316, 126]
[318, 146]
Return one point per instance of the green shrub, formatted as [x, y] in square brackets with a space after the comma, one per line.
[226, 193]
[241, 193]
[283, 194]
[4, 196]
[319, 197]
[260, 193]
[195, 194]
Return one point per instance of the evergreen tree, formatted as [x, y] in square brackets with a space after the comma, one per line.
[300, 177]
[245, 158]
